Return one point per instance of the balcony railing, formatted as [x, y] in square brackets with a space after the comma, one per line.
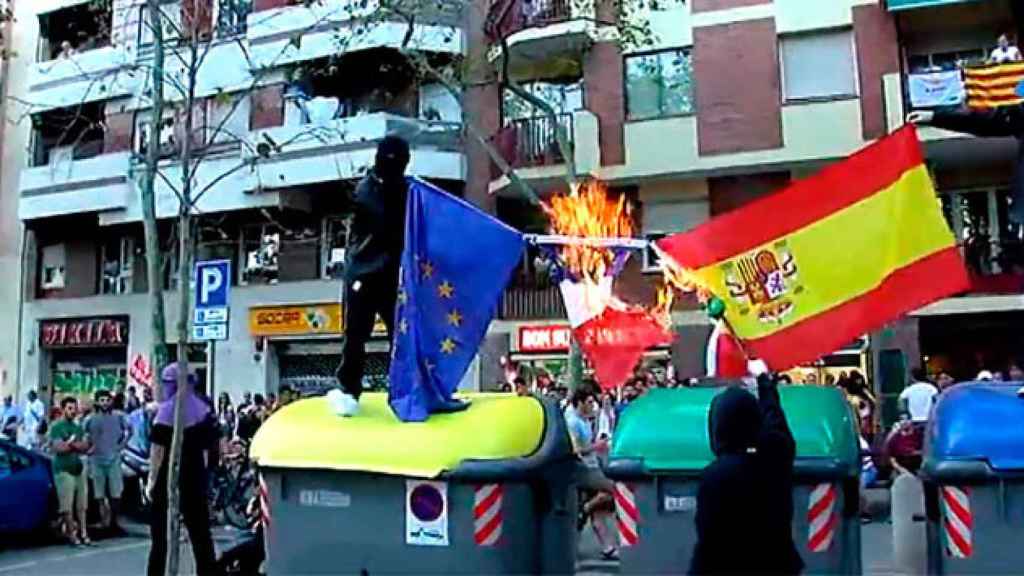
[531, 303]
[531, 142]
[506, 17]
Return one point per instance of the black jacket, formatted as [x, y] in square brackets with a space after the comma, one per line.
[745, 500]
[377, 236]
[1006, 121]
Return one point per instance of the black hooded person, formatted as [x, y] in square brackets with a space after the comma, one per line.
[745, 499]
[376, 241]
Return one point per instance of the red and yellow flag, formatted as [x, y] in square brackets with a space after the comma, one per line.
[993, 85]
[810, 268]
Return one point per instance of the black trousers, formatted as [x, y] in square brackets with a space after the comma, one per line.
[196, 513]
[365, 298]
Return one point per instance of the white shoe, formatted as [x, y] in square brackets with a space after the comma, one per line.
[1020, 392]
[342, 404]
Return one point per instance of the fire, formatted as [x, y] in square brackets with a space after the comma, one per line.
[589, 212]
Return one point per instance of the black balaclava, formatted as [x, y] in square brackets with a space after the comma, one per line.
[734, 422]
[392, 158]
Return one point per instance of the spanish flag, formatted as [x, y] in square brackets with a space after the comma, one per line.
[993, 85]
[808, 269]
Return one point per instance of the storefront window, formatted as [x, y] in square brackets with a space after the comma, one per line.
[659, 84]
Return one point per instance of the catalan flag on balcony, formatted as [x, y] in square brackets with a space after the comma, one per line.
[993, 85]
[810, 268]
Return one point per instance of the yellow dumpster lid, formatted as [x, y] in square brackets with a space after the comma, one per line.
[307, 435]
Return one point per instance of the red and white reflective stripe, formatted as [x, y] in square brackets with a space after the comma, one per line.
[627, 517]
[821, 517]
[957, 521]
[487, 516]
[264, 503]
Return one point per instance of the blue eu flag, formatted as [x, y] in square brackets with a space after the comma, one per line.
[457, 262]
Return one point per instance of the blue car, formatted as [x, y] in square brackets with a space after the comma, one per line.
[27, 495]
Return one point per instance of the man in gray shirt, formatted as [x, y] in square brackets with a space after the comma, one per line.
[108, 432]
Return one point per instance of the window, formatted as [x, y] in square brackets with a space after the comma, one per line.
[261, 246]
[168, 139]
[221, 128]
[991, 243]
[69, 31]
[336, 232]
[659, 84]
[65, 134]
[564, 97]
[231, 16]
[54, 264]
[172, 23]
[818, 66]
[117, 266]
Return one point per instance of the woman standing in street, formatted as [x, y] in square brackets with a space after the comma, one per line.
[198, 451]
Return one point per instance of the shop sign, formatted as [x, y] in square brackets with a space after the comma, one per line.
[301, 320]
[90, 333]
[549, 338]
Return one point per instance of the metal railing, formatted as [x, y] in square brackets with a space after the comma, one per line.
[532, 141]
[531, 303]
[506, 17]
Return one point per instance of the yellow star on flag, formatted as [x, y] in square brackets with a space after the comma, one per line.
[454, 318]
[428, 269]
[445, 290]
[448, 346]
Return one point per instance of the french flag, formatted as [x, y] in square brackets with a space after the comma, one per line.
[612, 335]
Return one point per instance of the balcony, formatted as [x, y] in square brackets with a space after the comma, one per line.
[69, 186]
[90, 76]
[342, 149]
[896, 5]
[539, 32]
[529, 145]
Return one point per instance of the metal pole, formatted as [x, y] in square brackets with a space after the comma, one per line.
[211, 363]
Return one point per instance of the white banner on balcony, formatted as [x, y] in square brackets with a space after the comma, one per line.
[932, 89]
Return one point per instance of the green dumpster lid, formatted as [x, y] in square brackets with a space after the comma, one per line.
[308, 435]
[667, 430]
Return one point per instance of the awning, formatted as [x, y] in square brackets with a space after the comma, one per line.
[895, 5]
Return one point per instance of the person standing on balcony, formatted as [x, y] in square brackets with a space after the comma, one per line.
[1005, 52]
[373, 257]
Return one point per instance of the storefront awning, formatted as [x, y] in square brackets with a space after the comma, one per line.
[895, 5]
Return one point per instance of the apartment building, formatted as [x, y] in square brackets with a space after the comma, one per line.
[731, 99]
[727, 100]
[10, 236]
[301, 121]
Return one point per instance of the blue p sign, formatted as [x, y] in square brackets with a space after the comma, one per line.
[213, 280]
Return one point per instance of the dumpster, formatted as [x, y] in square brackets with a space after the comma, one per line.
[974, 480]
[487, 490]
[662, 444]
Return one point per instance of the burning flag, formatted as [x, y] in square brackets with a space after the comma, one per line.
[612, 334]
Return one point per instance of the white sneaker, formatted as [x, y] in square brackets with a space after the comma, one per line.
[342, 404]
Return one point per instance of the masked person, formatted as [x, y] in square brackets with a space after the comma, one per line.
[745, 498]
[198, 455]
[376, 241]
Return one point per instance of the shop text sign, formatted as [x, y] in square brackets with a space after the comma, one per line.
[550, 338]
[89, 333]
[300, 320]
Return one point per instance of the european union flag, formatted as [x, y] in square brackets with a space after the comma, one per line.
[457, 262]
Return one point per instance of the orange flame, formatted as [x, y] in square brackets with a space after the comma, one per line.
[589, 212]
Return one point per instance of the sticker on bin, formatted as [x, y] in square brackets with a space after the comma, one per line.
[426, 513]
[627, 517]
[264, 503]
[821, 517]
[324, 499]
[957, 521]
[487, 515]
[680, 503]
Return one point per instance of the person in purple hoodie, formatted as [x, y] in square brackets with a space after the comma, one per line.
[198, 452]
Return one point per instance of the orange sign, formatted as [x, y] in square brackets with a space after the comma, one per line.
[301, 320]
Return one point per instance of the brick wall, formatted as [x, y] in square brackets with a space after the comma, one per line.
[481, 108]
[267, 108]
[737, 87]
[259, 5]
[731, 192]
[878, 54]
[603, 92]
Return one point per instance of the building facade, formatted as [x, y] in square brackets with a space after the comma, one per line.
[721, 101]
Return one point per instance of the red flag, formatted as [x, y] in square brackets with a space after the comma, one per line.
[612, 335]
[725, 357]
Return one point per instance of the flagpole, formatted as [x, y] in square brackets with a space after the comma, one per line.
[556, 239]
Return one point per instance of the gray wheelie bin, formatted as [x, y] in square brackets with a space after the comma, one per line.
[489, 490]
[974, 480]
[662, 445]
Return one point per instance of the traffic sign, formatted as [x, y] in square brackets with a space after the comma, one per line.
[211, 315]
[213, 283]
[207, 332]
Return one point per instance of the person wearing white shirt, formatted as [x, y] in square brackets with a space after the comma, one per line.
[919, 397]
[1005, 52]
[33, 416]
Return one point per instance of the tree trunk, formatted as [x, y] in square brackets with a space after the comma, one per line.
[154, 259]
[186, 248]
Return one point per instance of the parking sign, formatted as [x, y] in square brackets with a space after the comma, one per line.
[213, 286]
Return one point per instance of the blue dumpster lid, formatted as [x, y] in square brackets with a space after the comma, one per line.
[978, 421]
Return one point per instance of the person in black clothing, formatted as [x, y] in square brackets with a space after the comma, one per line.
[376, 241]
[198, 452]
[745, 498]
